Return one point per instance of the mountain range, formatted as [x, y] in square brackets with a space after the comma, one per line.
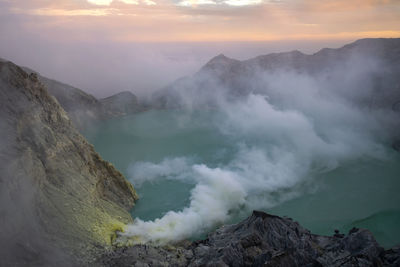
[62, 204]
[378, 58]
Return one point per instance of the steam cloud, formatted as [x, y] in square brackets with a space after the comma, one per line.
[290, 128]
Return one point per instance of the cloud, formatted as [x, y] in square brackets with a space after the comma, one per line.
[195, 3]
[218, 20]
[149, 3]
[129, 2]
[65, 12]
[296, 128]
[188, 3]
[100, 2]
[243, 2]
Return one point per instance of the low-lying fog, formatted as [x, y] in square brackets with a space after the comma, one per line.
[105, 68]
[261, 150]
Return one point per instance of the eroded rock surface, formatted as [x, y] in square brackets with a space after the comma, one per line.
[84, 109]
[263, 240]
[60, 202]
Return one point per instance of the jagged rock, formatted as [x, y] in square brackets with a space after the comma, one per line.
[120, 104]
[145, 255]
[392, 257]
[84, 109]
[263, 240]
[60, 202]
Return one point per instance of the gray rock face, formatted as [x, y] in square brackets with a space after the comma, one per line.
[120, 104]
[60, 202]
[263, 240]
[84, 109]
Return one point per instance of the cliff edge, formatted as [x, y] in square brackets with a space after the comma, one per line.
[60, 202]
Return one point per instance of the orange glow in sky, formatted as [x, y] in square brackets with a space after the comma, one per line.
[205, 20]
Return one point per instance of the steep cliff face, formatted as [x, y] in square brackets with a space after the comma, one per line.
[84, 109]
[60, 202]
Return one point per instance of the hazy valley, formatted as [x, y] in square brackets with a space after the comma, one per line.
[310, 137]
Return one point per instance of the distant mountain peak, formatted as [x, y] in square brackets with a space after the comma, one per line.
[122, 94]
[220, 61]
[221, 57]
[120, 104]
[296, 52]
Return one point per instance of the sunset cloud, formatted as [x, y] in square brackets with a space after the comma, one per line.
[109, 2]
[206, 20]
[195, 3]
[242, 2]
[100, 2]
[118, 45]
[149, 2]
[65, 12]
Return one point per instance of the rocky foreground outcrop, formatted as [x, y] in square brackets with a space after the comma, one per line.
[263, 240]
[60, 202]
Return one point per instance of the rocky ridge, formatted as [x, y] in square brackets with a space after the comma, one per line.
[121, 104]
[84, 109]
[365, 74]
[262, 240]
[61, 203]
[70, 203]
[236, 78]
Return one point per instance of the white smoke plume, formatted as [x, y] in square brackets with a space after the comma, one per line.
[292, 127]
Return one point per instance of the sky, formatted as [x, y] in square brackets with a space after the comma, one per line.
[105, 46]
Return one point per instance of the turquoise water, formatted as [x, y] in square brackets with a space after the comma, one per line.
[361, 191]
[153, 136]
[363, 194]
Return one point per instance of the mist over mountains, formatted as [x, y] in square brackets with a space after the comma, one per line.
[105, 68]
[84, 109]
[286, 117]
[367, 71]
[364, 74]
